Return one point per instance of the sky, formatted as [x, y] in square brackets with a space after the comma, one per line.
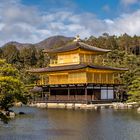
[30, 21]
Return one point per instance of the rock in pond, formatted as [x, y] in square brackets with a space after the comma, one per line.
[138, 110]
[21, 113]
[12, 114]
[18, 104]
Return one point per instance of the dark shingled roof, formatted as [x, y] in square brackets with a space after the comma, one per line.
[74, 67]
[76, 45]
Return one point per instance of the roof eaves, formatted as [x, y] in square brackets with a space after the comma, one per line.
[108, 68]
[61, 49]
[93, 48]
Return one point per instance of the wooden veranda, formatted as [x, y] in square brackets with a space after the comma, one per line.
[82, 93]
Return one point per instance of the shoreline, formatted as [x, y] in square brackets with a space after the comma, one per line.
[75, 106]
[115, 105]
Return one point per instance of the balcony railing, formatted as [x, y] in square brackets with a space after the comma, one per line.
[55, 62]
[75, 81]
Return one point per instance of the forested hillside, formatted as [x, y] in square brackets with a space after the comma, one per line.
[125, 53]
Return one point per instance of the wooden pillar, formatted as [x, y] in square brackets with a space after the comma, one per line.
[113, 77]
[86, 93]
[68, 93]
[100, 78]
[42, 95]
[49, 92]
[92, 93]
[76, 93]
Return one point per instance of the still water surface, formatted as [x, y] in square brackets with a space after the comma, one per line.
[61, 124]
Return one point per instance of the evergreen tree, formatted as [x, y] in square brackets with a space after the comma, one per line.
[134, 90]
[11, 87]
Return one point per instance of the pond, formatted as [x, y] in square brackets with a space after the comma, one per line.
[63, 124]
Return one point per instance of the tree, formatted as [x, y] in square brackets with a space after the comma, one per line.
[134, 90]
[11, 54]
[41, 59]
[28, 56]
[11, 87]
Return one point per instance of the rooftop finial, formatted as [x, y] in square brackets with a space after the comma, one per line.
[77, 38]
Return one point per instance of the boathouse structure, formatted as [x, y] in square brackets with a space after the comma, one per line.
[72, 75]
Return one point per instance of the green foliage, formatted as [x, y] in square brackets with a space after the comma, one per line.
[41, 59]
[28, 56]
[11, 54]
[134, 90]
[11, 87]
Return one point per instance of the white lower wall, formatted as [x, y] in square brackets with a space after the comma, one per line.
[107, 94]
[110, 94]
[103, 94]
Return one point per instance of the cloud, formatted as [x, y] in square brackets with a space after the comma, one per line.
[129, 2]
[25, 23]
[18, 22]
[126, 23]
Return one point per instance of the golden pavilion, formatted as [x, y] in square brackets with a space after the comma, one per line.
[72, 75]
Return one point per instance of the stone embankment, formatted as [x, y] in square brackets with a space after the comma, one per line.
[87, 106]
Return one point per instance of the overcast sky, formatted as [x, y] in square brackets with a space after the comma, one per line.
[34, 20]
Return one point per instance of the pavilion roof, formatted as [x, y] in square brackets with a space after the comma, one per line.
[74, 67]
[77, 45]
